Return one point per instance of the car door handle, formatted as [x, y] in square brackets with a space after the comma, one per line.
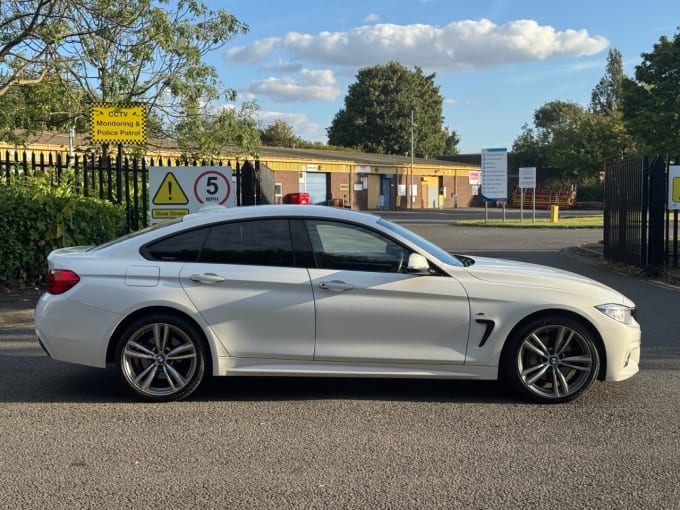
[336, 286]
[209, 278]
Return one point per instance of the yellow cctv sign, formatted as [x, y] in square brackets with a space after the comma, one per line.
[118, 123]
[674, 187]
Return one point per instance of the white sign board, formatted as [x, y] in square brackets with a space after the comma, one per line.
[527, 177]
[674, 187]
[473, 177]
[494, 174]
[179, 190]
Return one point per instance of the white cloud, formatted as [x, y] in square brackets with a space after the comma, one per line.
[312, 85]
[467, 44]
[372, 18]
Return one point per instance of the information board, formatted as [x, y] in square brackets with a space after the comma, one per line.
[527, 177]
[495, 174]
[118, 123]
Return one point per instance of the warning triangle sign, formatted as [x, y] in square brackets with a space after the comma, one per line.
[170, 192]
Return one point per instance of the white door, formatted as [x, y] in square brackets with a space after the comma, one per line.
[316, 186]
[368, 309]
[249, 293]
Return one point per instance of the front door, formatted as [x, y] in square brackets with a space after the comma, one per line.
[369, 309]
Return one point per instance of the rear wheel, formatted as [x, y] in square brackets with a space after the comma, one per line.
[161, 357]
[551, 360]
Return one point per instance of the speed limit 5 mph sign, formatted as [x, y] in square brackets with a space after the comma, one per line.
[180, 190]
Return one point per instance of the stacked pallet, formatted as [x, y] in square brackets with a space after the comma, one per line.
[545, 197]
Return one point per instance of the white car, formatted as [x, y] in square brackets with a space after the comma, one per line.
[321, 291]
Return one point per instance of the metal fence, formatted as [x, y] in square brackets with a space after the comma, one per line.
[637, 225]
[120, 180]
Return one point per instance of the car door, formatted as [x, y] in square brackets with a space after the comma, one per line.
[370, 309]
[247, 289]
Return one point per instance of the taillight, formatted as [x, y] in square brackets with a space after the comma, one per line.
[61, 280]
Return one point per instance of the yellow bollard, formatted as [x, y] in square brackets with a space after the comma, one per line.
[554, 213]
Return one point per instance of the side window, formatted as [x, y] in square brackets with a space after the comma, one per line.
[263, 242]
[351, 247]
[183, 247]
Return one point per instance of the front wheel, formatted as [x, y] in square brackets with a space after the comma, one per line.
[161, 357]
[551, 360]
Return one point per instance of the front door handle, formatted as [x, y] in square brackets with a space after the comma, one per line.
[209, 278]
[336, 286]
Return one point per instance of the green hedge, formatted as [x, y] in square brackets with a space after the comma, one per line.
[38, 218]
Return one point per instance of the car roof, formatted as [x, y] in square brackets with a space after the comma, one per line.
[213, 214]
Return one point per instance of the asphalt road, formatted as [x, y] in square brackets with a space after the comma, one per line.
[70, 437]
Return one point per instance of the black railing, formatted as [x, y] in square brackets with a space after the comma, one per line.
[636, 224]
[123, 181]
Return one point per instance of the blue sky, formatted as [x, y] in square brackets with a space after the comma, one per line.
[496, 61]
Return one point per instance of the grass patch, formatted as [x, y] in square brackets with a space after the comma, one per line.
[566, 221]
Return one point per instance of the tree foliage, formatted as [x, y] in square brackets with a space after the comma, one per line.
[607, 96]
[577, 140]
[31, 32]
[651, 107]
[50, 105]
[280, 134]
[206, 135]
[379, 108]
[149, 51]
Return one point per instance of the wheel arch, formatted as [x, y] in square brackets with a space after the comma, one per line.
[566, 314]
[116, 336]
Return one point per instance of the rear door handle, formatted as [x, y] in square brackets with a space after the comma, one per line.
[209, 278]
[336, 286]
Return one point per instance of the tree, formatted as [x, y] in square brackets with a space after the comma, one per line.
[556, 114]
[280, 134]
[651, 102]
[49, 105]
[148, 51]
[379, 108]
[30, 33]
[452, 141]
[573, 139]
[607, 96]
[201, 135]
[531, 148]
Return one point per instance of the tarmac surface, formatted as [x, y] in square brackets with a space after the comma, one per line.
[17, 306]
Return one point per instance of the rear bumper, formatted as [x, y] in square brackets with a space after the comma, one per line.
[74, 332]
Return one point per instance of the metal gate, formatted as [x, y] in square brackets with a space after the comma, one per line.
[634, 206]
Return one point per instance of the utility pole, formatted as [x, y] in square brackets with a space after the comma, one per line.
[410, 191]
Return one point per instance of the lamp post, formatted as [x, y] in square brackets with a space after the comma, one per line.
[410, 190]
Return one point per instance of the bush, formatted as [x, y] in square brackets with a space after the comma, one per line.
[38, 218]
[590, 192]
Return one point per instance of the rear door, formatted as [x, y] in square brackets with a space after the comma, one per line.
[247, 289]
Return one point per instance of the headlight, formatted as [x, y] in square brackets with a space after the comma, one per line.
[620, 313]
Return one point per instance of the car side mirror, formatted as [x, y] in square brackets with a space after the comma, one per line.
[417, 264]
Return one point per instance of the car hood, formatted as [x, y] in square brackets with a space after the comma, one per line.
[523, 273]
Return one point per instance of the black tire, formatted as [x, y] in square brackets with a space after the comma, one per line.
[551, 360]
[161, 357]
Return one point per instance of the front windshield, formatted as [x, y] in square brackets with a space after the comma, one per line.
[421, 242]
